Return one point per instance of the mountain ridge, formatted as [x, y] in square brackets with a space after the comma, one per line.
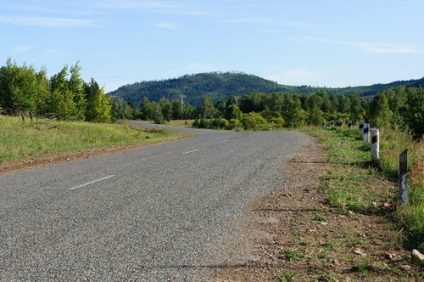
[221, 85]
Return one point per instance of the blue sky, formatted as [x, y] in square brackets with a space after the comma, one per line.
[332, 43]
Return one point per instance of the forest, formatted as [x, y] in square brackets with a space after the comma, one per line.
[403, 106]
[27, 92]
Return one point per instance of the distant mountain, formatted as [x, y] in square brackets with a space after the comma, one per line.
[220, 86]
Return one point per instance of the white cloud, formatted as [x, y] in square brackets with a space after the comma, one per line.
[370, 47]
[270, 22]
[298, 76]
[45, 21]
[374, 47]
[167, 25]
[136, 4]
[22, 49]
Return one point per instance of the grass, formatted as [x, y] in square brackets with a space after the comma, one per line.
[20, 140]
[181, 123]
[354, 183]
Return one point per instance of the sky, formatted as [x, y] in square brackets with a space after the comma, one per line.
[331, 43]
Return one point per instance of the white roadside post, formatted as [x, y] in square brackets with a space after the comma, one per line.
[375, 144]
[366, 131]
[349, 125]
[403, 176]
[361, 126]
[331, 123]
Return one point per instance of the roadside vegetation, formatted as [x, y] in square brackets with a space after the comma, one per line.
[21, 140]
[354, 186]
[347, 150]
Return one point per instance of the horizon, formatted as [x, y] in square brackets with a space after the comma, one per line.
[119, 42]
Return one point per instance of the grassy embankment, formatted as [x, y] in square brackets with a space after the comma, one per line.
[20, 140]
[354, 183]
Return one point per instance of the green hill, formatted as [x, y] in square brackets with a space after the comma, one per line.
[220, 86]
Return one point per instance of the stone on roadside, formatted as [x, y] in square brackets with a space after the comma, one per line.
[358, 252]
[405, 267]
[418, 255]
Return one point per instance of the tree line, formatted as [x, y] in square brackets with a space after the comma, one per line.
[64, 96]
[258, 111]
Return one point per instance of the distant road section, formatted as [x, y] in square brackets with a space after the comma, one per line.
[160, 213]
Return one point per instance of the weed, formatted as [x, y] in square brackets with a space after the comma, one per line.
[290, 254]
[363, 268]
[320, 218]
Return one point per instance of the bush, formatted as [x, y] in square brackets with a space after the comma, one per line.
[253, 121]
[234, 124]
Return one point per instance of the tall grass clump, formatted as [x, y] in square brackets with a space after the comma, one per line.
[412, 214]
[393, 141]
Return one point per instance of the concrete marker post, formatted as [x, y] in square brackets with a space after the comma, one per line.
[366, 132]
[331, 123]
[349, 125]
[340, 124]
[403, 177]
[361, 126]
[375, 144]
[323, 125]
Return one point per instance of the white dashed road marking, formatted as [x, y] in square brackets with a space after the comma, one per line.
[189, 152]
[92, 182]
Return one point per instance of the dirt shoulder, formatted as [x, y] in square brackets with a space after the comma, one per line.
[62, 157]
[307, 240]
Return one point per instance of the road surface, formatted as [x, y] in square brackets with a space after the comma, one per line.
[169, 212]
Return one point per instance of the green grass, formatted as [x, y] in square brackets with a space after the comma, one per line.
[354, 183]
[20, 140]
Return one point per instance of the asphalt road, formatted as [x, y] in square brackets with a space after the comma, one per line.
[169, 212]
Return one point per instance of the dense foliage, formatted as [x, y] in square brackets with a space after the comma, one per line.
[65, 96]
[221, 86]
[257, 111]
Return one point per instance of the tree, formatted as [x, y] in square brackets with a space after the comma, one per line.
[146, 109]
[61, 100]
[292, 111]
[252, 103]
[333, 103]
[43, 93]
[166, 108]
[177, 109]
[18, 89]
[207, 107]
[357, 107]
[76, 87]
[157, 113]
[233, 112]
[188, 111]
[413, 111]
[379, 111]
[99, 106]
